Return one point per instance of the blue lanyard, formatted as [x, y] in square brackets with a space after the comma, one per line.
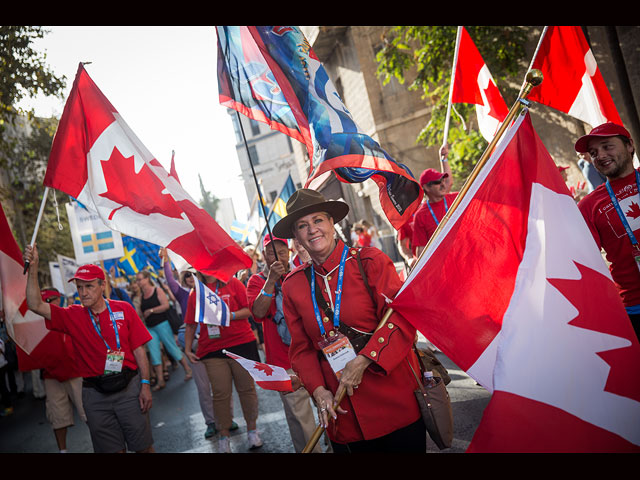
[336, 311]
[115, 327]
[433, 214]
[616, 204]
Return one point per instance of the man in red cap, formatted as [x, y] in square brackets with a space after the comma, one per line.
[264, 293]
[109, 339]
[612, 210]
[436, 187]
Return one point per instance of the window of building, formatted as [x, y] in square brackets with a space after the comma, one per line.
[253, 154]
[255, 127]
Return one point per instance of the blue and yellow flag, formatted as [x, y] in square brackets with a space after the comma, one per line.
[138, 255]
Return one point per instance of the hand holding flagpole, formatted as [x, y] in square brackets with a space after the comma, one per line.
[35, 229]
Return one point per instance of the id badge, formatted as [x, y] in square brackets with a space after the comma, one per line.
[213, 331]
[636, 257]
[338, 351]
[115, 361]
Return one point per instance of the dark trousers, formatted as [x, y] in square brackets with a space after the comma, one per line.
[409, 439]
[5, 396]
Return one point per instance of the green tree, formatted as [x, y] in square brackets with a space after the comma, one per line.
[426, 53]
[209, 201]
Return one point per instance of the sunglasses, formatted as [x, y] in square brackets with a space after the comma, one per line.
[51, 299]
[187, 274]
[434, 182]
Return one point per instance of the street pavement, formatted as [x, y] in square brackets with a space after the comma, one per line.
[178, 425]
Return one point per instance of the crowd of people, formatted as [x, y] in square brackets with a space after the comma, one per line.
[310, 303]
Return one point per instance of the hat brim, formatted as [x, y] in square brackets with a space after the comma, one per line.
[338, 210]
[582, 145]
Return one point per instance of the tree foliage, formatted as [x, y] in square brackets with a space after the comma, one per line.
[425, 54]
[25, 142]
[209, 201]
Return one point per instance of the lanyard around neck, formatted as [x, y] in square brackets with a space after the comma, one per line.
[623, 218]
[433, 214]
[115, 326]
[336, 312]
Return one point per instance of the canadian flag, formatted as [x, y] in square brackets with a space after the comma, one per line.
[269, 377]
[473, 83]
[25, 327]
[572, 82]
[515, 292]
[97, 159]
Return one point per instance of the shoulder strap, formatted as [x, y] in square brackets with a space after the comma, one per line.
[364, 276]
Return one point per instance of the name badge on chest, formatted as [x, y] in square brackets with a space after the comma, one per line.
[338, 351]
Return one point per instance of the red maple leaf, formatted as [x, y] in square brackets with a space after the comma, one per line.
[268, 371]
[600, 309]
[634, 210]
[141, 191]
[498, 108]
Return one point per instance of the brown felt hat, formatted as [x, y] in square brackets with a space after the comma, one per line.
[306, 201]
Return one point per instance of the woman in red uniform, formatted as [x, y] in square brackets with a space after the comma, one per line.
[223, 371]
[335, 345]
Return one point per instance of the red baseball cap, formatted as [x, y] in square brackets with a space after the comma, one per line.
[88, 272]
[47, 293]
[268, 239]
[430, 174]
[608, 129]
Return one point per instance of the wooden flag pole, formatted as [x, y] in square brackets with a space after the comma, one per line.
[533, 79]
[35, 229]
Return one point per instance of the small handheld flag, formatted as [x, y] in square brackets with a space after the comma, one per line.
[269, 377]
[210, 308]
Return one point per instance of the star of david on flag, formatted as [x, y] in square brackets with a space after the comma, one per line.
[210, 308]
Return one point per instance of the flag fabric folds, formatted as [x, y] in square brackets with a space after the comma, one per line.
[474, 84]
[96, 158]
[240, 231]
[271, 74]
[25, 327]
[210, 308]
[572, 82]
[269, 377]
[533, 317]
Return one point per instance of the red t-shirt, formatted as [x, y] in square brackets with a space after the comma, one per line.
[609, 233]
[276, 352]
[91, 351]
[424, 225]
[238, 332]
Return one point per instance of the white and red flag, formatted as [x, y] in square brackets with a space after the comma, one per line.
[473, 83]
[97, 159]
[572, 82]
[25, 327]
[515, 291]
[269, 377]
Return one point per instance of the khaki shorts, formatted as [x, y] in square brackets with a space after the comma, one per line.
[61, 397]
[115, 420]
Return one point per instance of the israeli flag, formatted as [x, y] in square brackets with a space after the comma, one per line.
[210, 308]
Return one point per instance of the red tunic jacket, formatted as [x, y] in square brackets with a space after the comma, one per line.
[384, 401]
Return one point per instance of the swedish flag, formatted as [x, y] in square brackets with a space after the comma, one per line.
[138, 255]
[95, 242]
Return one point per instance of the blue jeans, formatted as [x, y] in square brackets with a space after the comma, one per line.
[162, 333]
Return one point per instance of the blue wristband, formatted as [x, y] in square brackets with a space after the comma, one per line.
[265, 293]
[145, 381]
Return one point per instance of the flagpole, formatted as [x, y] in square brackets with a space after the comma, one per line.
[453, 77]
[255, 179]
[533, 79]
[35, 229]
[535, 54]
[273, 204]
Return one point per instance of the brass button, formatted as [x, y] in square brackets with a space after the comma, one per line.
[353, 251]
[325, 319]
[332, 333]
[329, 278]
[381, 340]
[373, 354]
[390, 325]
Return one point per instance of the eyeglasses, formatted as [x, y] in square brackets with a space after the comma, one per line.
[434, 182]
[51, 299]
[187, 274]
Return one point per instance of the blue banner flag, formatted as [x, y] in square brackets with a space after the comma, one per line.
[279, 207]
[272, 75]
[138, 255]
[240, 231]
